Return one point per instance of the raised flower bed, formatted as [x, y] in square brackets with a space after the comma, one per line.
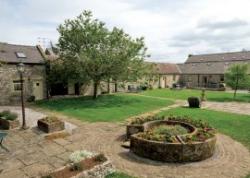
[50, 124]
[84, 164]
[135, 124]
[174, 139]
[8, 120]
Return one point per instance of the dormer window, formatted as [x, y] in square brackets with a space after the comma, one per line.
[20, 55]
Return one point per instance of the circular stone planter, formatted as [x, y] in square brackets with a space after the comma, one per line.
[172, 152]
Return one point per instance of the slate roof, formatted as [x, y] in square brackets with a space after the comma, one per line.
[219, 57]
[211, 65]
[167, 68]
[32, 53]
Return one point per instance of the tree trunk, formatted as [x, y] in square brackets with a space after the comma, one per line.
[95, 89]
[108, 86]
[236, 87]
[116, 86]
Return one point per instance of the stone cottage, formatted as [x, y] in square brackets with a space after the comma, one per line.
[208, 70]
[34, 75]
[165, 75]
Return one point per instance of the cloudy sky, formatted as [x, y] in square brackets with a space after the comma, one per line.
[172, 29]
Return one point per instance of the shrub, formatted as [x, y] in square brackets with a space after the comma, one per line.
[11, 116]
[79, 155]
[196, 123]
[168, 133]
[50, 119]
[139, 120]
[194, 102]
[100, 158]
[76, 167]
[4, 113]
[169, 129]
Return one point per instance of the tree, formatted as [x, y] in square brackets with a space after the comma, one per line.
[237, 77]
[100, 53]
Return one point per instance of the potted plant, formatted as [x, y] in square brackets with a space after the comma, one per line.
[50, 124]
[8, 120]
[194, 102]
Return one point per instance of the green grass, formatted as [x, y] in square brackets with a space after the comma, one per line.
[107, 108]
[118, 175]
[235, 125]
[219, 96]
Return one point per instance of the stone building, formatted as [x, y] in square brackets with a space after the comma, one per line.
[166, 74]
[34, 75]
[208, 70]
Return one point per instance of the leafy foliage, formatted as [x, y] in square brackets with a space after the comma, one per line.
[118, 175]
[237, 77]
[90, 49]
[168, 133]
[6, 114]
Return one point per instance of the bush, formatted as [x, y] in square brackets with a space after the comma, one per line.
[139, 120]
[31, 99]
[100, 158]
[76, 167]
[194, 102]
[8, 115]
[4, 113]
[11, 116]
[80, 155]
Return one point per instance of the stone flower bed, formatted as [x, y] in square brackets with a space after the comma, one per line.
[8, 120]
[84, 164]
[50, 124]
[174, 139]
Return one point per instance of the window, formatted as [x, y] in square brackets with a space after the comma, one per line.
[17, 85]
[20, 55]
[222, 78]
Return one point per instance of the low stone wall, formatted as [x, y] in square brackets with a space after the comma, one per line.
[172, 152]
[134, 129]
[99, 171]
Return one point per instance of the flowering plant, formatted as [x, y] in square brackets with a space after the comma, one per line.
[79, 155]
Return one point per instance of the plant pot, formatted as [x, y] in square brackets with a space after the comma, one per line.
[194, 102]
[9, 124]
[49, 127]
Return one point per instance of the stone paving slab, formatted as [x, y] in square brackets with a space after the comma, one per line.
[33, 155]
[233, 107]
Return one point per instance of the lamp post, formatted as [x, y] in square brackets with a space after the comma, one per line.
[20, 68]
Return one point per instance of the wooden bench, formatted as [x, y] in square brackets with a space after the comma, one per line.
[2, 136]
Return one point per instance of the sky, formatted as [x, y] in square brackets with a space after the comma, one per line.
[173, 29]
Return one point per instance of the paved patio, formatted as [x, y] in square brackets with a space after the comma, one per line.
[31, 155]
[33, 116]
[233, 107]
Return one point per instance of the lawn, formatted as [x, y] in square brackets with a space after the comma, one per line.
[235, 125]
[219, 96]
[107, 108]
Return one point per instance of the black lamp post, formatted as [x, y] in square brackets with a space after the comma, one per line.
[20, 68]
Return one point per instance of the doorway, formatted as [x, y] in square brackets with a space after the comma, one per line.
[38, 89]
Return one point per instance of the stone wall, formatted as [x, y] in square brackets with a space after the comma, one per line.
[8, 73]
[191, 80]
